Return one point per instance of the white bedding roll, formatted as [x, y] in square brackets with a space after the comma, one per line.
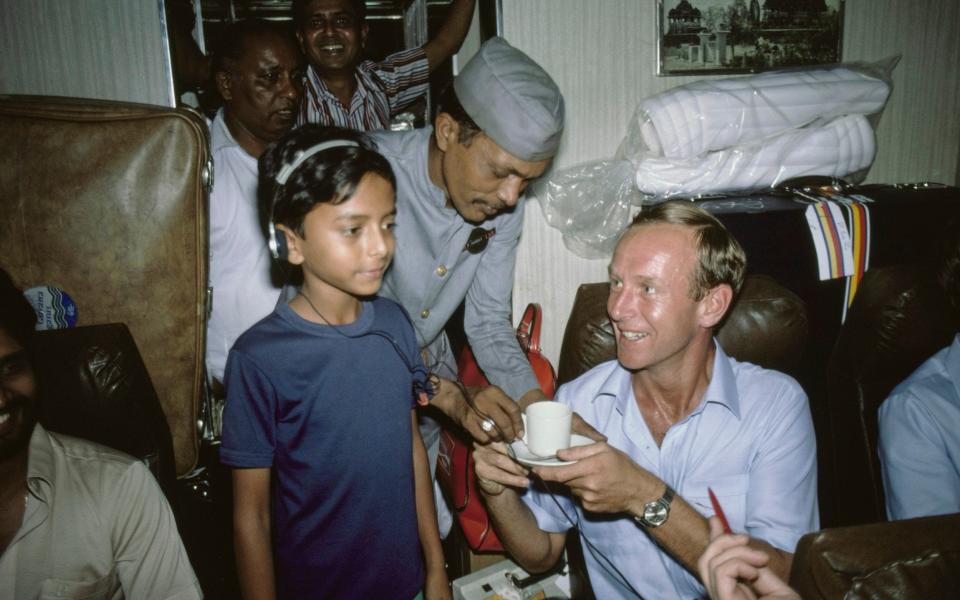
[715, 114]
[838, 148]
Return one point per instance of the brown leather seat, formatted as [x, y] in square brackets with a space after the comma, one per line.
[900, 317]
[93, 385]
[916, 558]
[767, 326]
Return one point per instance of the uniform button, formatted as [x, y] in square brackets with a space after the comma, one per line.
[425, 313]
[441, 271]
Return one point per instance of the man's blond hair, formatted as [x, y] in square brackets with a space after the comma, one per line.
[721, 259]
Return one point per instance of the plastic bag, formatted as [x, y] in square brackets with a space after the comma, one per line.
[590, 203]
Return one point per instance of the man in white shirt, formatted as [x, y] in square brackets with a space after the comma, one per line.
[77, 520]
[258, 72]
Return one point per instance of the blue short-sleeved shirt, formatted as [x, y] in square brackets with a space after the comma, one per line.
[329, 410]
[920, 439]
[751, 440]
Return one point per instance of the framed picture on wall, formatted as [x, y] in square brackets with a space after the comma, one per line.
[746, 36]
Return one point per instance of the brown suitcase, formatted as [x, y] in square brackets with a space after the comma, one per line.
[108, 201]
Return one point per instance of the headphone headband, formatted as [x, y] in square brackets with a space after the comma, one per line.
[303, 155]
[275, 240]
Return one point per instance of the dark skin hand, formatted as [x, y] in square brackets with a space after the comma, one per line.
[492, 403]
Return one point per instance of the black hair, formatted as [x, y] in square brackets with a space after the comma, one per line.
[330, 176]
[299, 8]
[17, 317]
[236, 37]
[449, 103]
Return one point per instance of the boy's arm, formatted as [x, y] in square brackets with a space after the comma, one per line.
[437, 585]
[251, 533]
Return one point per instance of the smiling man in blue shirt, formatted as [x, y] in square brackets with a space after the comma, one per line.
[679, 415]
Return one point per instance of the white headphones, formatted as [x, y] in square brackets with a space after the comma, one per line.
[278, 243]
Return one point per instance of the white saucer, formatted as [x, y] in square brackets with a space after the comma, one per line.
[530, 459]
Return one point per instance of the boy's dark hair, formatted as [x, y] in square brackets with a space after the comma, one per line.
[330, 176]
[299, 8]
[449, 103]
[17, 317]
[236, 37]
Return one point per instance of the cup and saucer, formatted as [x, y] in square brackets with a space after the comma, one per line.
[526, 457]
[546, 428]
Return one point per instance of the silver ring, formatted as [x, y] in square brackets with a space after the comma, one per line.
[487, 425]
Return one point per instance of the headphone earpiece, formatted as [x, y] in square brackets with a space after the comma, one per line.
[277, 242]
[276, 239]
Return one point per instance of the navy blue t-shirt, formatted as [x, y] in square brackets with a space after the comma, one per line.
[329, 412]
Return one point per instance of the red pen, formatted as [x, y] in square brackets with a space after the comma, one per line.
[718, 510]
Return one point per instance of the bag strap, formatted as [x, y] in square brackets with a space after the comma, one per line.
[528, 331]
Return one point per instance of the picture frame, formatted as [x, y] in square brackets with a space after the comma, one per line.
[746, 36]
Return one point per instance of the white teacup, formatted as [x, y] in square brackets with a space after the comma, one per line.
[547, 425]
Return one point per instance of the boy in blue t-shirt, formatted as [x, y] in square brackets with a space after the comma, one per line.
[332, 494]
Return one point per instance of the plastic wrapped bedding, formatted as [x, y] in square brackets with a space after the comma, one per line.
[715, 114]
[843, 146]
[723, 135]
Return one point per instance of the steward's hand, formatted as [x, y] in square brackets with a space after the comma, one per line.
[496, 417]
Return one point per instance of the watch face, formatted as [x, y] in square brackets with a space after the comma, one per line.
[655, 513]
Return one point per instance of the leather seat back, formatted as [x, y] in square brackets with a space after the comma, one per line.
[107, 201]
[916, 558]
[94, 385]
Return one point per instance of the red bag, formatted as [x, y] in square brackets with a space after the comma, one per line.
[455, 471]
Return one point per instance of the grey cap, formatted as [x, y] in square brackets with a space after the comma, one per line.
[513, 100]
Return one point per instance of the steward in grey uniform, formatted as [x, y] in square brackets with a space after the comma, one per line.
[460, 187]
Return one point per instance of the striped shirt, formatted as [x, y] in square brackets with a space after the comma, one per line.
[383, 89]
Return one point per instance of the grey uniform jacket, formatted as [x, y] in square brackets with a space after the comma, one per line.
[432, 272]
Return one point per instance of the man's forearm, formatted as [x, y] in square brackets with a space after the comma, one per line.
[534, 549]
[686, 535]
